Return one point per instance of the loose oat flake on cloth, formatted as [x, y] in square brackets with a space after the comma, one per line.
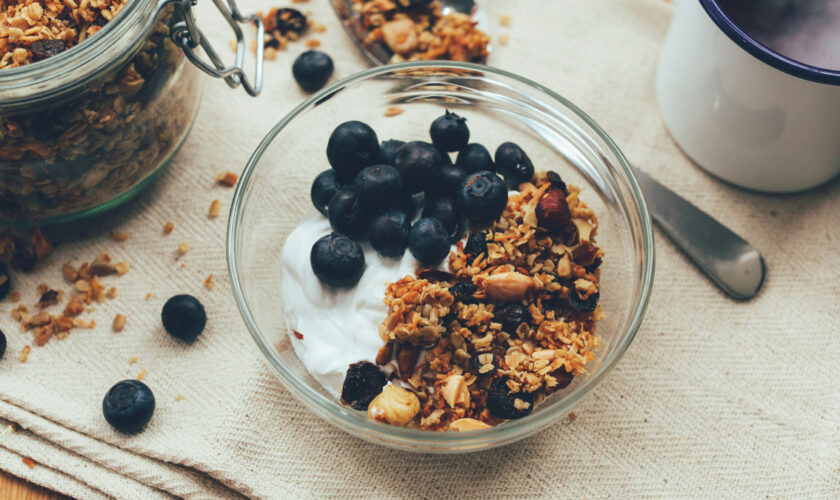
[714, 398]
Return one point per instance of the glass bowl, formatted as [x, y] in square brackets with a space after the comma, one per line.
[498, 105]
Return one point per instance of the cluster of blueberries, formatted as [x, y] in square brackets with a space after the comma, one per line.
[372, 191]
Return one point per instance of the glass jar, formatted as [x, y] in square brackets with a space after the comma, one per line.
[86, 129]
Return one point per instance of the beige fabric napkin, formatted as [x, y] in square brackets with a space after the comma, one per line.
[714, 399]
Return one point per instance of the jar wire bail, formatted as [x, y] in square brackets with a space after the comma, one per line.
[189, 37]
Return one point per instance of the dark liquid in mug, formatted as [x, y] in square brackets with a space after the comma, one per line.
[807, 31]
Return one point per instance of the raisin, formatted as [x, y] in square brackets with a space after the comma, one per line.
[511, 316]
[563, 377]
[581, 305]
[363, 382]
[502, 403]
[290, 20]
[556, 181]
[43, 49]
[463, 292]
[476, 245]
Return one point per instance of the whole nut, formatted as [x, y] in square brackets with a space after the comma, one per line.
[467, 424]
[384, 354]
[394, 405]
[553, 212]
[508, 286]
[407, 359]
[455, 391]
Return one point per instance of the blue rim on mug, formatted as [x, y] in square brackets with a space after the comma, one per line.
[764, 53]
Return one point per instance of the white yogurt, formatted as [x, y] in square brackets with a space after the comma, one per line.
[339, 326]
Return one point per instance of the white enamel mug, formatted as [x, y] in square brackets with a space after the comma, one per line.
[742, 111]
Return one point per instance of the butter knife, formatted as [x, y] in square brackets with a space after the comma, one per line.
[730, 262]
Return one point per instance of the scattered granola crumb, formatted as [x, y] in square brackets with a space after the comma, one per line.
[298, 335]
[24, 353]
[119, 236]
[183, 248]
[119, 322]
[503, 39]
[299, 1]
[215, 209]
[313, 43]
[29, 462]
[572, 417]
[227, 179]
[168, 227]
[111, 293]
[394, 111]
[209, 283]
[14, 296]
[132, 360]
[142, 374]
[269, 53]
[179, 397]
[70, 273]
[148, 296]
[12, 427]
[504, 20]
[318, 28]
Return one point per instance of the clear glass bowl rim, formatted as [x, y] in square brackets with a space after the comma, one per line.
[405, 438]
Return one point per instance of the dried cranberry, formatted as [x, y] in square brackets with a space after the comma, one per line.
[463, 292]
[363, 382]
[502, 402]
[43, 49]
[476, 244]
[290, 20]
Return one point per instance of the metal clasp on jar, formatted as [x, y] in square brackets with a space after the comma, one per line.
[189, 37]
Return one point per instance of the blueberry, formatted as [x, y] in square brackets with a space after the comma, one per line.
[428, 241]
[443, 209]
[129, 406]
[511, 316]
[581, 305]
[312, 69]
[475, 158]
[5, 282]
[347, 215]
[513, 164]
[2, 344]
[556, 181]
[482, 197]
[447, 178]
[463, 292]
[450, 132]
[363, 382]
[476, 244]
[379, 186]
[417, 161]
[337, 260]
[183, 317]
[324, 187]
[388, 150]
[502, 403]
[352, 146]
[388, 233]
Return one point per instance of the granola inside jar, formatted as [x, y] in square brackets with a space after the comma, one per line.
[93, 103]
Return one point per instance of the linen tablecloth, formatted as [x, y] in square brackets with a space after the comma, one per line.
[715, 398]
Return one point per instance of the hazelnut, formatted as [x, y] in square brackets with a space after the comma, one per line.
[467, 424]
[455, 391]
[553, 212]
[394, 405]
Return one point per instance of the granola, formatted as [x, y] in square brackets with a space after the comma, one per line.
[85, 147]
[514, 317]
[416, 31]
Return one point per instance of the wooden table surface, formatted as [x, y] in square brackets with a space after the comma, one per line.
[12, 488]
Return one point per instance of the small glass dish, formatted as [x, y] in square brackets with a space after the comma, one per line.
[273, 195]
